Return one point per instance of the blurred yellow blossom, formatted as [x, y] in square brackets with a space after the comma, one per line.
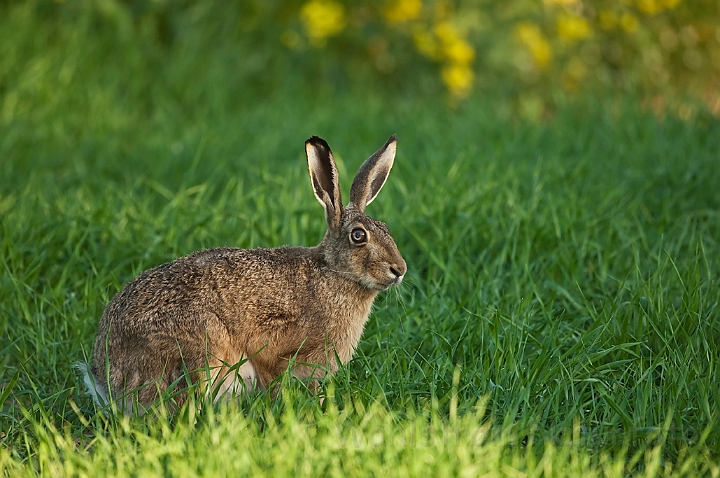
[455, 48]
[561, 42]
[629, 22]
[532, 38]
[571, 28]
[458, 78]
[652, 7]
[446, 44]
[445, 31]
[322, 19]
[403, 11]
[460, 52]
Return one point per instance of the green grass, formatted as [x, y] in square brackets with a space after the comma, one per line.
[560, 314]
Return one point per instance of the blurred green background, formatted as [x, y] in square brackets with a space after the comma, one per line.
[528, 55]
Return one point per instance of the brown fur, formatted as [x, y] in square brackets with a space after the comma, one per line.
[218, 307]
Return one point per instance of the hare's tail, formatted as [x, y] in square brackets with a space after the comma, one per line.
[94, 388]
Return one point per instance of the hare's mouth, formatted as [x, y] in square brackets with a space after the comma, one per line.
[395, 281]
[381, 284]
[376, 285]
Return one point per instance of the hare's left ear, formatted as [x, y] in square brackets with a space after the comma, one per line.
[372, 175]
[324, 178]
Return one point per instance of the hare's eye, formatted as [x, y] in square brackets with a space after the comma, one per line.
[358, 236]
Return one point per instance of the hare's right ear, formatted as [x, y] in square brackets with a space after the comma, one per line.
[324, 178]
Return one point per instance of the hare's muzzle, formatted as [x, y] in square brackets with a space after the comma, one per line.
[397, 272]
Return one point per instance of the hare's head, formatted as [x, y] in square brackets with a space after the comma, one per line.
[356, 245]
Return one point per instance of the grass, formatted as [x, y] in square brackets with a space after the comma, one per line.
[560, 315]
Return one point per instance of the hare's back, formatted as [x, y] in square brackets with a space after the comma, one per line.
[224, 281]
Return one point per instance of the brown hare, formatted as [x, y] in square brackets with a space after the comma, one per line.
[237, 318]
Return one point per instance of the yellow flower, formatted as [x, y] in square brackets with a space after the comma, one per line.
[446, 32]
[403, 11]
[651, 7]
[455, 48]
[460, 52]
[445, 44]
[322, 19]
[530, 35]
[573, 28]
[565, 3]
[629, 22]
[458, 78]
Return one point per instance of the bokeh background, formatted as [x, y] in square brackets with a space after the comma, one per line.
[528, 55]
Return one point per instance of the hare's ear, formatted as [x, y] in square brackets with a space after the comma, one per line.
[324, 178]
[372, 175]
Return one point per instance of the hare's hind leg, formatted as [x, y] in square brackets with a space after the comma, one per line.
[158, 367]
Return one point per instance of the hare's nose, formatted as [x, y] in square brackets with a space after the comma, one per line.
[398, 270]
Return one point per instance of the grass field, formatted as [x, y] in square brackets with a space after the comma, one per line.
[560, 315]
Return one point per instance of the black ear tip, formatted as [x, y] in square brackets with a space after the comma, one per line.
[392, 139]
[317, 142]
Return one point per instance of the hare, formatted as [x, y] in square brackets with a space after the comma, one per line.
[246, 315]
